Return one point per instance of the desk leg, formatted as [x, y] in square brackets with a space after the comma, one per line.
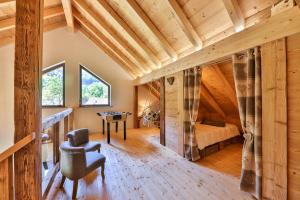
[103, 126]
[125, 130]
[117, 126]
[108, 132]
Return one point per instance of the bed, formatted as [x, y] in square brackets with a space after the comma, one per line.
[207, 135]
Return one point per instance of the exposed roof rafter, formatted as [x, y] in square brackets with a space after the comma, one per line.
[151, 26]
[67, 5]
[92, 29]
[130, 32]
[185, 24]
[100, 21]
[108, 51]
[235, 14]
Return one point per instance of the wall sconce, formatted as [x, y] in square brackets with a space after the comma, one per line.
[171, 80]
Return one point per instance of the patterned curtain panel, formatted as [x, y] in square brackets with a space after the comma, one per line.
[247, 76]
[192, 80]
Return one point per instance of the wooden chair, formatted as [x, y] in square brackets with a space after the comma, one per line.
[77, 163]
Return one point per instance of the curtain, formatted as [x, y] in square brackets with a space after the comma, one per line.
[247, 76]
[192, 80]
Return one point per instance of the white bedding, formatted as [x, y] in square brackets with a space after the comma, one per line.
[207, 135]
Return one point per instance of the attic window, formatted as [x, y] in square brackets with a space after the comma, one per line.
[94, 91]
[53, 86]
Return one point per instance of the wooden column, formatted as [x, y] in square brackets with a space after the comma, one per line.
[27, 116]
[136, 123]
[274, 120]
[162, 111]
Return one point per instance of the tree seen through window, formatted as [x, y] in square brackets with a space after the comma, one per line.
[94, 90]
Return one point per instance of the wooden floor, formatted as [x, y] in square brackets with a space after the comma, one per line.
[227, 161]
[141, 168]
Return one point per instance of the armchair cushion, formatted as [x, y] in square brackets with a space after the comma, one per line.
[78, 137]
[93, 161]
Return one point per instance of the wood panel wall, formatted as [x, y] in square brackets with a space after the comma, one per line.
[274, 120]
[293, 139]
[281, 117]
[174, 113]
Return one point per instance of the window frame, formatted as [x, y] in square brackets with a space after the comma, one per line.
[49, 69]
[82, 67]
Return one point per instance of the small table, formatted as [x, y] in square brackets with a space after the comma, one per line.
[113, 117]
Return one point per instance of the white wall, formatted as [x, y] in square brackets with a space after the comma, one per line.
[75, 49]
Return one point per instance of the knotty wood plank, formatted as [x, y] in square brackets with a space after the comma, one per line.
[6, 179]
[27, 115]
[274, 120]
[162, 112]
[52, 119]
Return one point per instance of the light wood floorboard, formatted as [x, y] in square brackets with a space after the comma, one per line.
[141, 168]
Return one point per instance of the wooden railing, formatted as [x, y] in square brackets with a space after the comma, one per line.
[7, 157]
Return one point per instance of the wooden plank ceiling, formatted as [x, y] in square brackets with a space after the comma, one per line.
[144, 35]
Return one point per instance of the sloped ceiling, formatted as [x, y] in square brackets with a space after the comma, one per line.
[144, 35]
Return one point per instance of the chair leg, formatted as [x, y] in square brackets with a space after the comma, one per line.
[75, 186]
[102, 170]
[62, 182]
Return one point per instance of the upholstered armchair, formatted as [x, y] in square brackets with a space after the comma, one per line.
[80, 138]
[77, 163]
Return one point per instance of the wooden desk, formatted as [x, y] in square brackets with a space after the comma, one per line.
[113, 117]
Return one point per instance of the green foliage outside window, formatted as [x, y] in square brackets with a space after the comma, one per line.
[53, 87]
[93, 90]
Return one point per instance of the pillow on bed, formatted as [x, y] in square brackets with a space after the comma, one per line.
[218, 123]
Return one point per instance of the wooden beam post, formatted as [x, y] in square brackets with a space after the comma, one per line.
[162, 112]
[27, 116]
[136, 123]
[274, 120]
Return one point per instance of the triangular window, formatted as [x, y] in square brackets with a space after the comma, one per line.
[94, 91]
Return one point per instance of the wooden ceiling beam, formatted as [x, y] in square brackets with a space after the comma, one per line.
[278, 26]
[107, 51]
[185, 24]
[101, 22]
[235, 14]
[9, 23]
[67, 6]
[106, 41]
[130, 32]
[205, 94]
[152, 27]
